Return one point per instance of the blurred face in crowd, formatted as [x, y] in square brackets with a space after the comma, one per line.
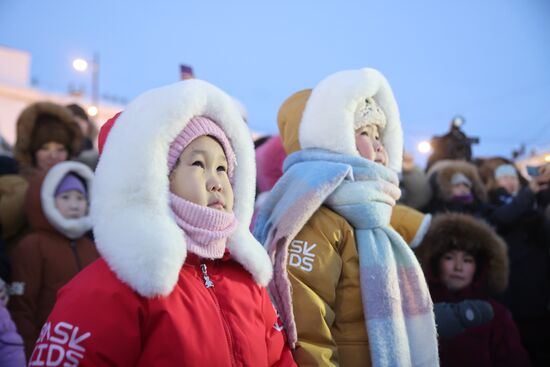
[72, 204]
[509, 183]
[369, 144]
[50, 154]
[457, 269]
[460, 189]
[83, 124]
[201, 176]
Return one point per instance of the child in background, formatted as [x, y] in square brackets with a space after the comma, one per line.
[56, 249]
[463, 259]
[180, 281]
[343, 278]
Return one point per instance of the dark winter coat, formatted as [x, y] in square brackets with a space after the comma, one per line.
[522, 225]
[45, 259]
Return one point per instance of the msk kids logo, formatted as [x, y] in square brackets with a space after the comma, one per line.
[59, 345]
[301, 255]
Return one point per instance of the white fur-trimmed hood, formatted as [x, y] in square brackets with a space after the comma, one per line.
[331, 108]
[71, 228]
[134, 227]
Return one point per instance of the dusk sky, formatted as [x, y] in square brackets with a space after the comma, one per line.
[486, 60]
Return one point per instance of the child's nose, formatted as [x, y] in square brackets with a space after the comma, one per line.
[214, 184]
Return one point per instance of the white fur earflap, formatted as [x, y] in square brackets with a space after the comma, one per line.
[134, 227]
[329, 114]
[71, 228]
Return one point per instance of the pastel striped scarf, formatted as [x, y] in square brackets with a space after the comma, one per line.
[397, 305]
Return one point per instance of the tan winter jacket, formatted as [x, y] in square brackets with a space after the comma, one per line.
[323, 268]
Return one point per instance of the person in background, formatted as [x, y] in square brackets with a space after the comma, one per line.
[47, 134]
[56, 249]
[456, 187]
[414, 184]
[517, 212]
[464, 259]
[89, 154]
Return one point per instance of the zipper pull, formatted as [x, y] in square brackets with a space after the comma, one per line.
[207, 282]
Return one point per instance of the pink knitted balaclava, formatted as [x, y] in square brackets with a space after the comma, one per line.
[206, 229]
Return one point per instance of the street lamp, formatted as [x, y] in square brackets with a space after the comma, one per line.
[424, 147]
[82, 65]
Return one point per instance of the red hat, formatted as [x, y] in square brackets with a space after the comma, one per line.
[104, 131]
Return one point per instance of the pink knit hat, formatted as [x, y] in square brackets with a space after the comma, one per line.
[199, 126]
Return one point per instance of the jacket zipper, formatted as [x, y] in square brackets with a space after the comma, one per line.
[209, 284]
[75, 253]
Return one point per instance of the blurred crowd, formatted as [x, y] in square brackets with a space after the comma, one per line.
[481, 232]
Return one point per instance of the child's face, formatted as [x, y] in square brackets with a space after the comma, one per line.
[71, 204]
[201, 176]
[460, 189]
[509, 183]
[50, 154]
[457, 269]
[369, 145]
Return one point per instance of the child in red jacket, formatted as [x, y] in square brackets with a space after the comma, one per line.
[181, 279]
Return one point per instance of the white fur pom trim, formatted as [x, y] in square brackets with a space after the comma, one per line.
[422, 230]
[134, 227]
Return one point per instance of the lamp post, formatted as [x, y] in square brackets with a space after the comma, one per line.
[82, 65]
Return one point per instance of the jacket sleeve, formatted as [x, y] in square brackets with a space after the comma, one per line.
[13, 191]
[12, 352]
[26, 285]
[90, 326]
[509, 213]
[314, 270]
[278, 351]
[411, 224]
[506, 347]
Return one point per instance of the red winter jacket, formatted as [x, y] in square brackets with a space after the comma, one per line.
[100, 321]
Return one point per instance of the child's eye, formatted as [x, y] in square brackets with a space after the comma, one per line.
[198, 164]
[222, 169]
[365, 133]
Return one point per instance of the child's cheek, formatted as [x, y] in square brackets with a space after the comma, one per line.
[364, 147]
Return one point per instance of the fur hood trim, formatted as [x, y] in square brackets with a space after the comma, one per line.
[27, 122]
[444, 171]
[328, 119]
[134, 227]
[71, 228]
[462, 231]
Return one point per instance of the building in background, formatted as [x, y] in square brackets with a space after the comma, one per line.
[16, 93]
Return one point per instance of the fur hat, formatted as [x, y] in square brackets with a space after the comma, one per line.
[442, 173]
[42, 122]
[346, 99]
[455, 231]
[134, 227]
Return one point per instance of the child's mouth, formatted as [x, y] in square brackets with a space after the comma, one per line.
[217, 205]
